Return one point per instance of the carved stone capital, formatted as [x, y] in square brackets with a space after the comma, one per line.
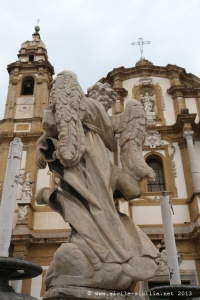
[39, 80]
[188, 134]
[14, 81]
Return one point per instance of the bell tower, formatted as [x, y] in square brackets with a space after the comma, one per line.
[28, 95]
[29, 81]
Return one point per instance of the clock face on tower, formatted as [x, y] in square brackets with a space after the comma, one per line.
[24, 108]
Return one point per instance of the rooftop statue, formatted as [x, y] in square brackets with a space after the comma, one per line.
[105, 250]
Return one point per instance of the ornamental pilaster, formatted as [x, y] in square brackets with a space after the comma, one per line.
[188, 135]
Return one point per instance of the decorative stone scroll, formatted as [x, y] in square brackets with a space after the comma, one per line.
[153, 139]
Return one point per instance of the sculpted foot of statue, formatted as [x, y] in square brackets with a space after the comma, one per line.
[105, 250]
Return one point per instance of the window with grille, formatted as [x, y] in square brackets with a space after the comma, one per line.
[158, 184]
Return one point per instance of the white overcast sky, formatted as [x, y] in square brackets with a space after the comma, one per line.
[91, 37]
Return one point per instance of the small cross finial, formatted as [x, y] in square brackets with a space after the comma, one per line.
[141, 43]
[38, 21]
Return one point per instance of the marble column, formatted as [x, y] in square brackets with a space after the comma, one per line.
[8, 202]
[188, 135]
[172, 258]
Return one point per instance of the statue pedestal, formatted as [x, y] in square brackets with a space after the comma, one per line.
[176, 291]
[82, 293]
[15, 296]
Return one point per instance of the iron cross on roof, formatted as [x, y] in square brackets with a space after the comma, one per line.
[141, 43]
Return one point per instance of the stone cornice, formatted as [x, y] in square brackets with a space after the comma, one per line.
[176, 130]
[174, 69]
[22, 234]
[121, 91]
[182, 231]
[183, 119]
[138, 71]
[28, 65]
[28, 135]
[12, 120]
[181, 89]
[189, 83]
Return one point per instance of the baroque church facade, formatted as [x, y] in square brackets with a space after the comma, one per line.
[171, 98]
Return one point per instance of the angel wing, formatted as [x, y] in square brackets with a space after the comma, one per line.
[67, 101]
[131, 125]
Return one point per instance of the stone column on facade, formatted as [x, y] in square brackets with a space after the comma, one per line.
[8, 202]
[12, 268]
[188, 135]
[172, 258]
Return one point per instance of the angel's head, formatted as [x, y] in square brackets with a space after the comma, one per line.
[103, 93]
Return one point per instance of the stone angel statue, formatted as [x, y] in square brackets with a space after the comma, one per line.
[105, 250]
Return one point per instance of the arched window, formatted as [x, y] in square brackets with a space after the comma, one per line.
[27, 86]
[158, 184]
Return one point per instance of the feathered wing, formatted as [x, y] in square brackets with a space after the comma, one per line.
[68, 103]
[132, 131]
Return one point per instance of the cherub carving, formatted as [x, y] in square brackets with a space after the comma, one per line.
[105, 249]
[25, 187]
